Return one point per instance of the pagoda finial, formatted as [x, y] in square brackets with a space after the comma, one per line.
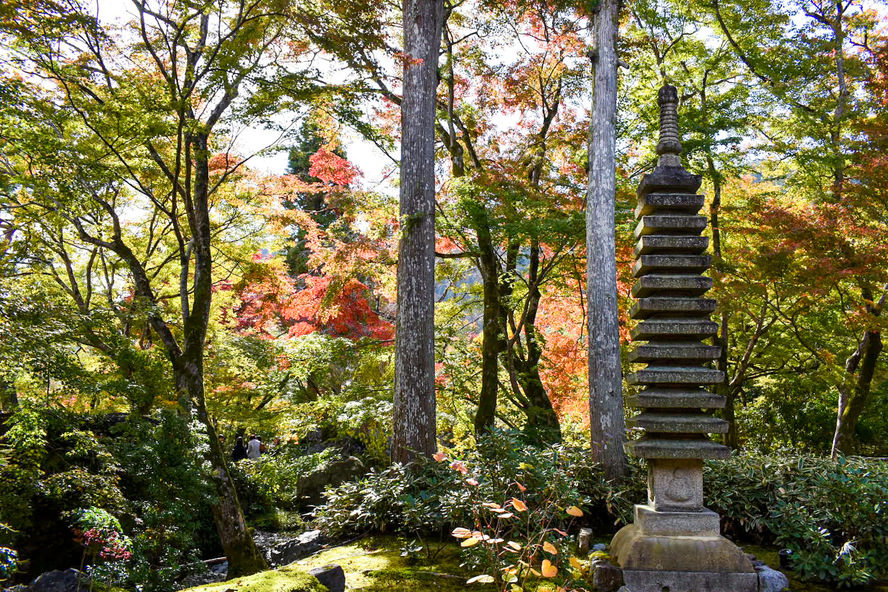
[669, 146]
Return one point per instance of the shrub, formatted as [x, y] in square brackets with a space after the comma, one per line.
[832, 514]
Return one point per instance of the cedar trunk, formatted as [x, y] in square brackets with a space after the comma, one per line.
[414, 409]
[605, 377]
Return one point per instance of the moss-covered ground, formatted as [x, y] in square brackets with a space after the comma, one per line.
[286, 579]
[375, 564]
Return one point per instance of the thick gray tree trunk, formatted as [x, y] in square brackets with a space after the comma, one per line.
[414, 413]
[605, 377]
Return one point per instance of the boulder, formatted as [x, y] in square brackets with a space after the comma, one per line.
[330, 474]
[283, 548]
[330, 576]
[60, 581]
[584, 541]
[606, 577]
[771, 580]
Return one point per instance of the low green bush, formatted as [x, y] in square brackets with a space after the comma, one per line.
[832, 514]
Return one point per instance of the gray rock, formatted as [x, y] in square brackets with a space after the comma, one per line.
[59, 581]
[606, 577]
[330, 576]
[771, 580]
[311, 487]
[584, 541]
[599, 548]
[284, 548]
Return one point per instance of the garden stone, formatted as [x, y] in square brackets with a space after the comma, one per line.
[59, 581]
[330, 576]
[606, 577]
[311, 487]
[584, 541]
[599, 548]
[282, 549]
[771, 580]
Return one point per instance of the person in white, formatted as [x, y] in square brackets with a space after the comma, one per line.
[253, 447]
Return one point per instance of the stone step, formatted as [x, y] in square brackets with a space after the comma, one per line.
[678, 244]
[704, 448]
[683, 375]
[674, 328]
[669, 179]
[673, 306]
[688, 285]
[670, 224]
[690, 203]
[679, 423]
[685, 351]
[686, 398]
[681, 264]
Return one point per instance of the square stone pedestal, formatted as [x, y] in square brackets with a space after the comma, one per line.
[680, 552]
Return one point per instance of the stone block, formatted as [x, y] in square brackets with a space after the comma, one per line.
[661, 375]
[606, 577]
[679, 423]
[670, 263]
[690, 203]
[670, 224]
[675, 328]
[689, 351]
[632, 549]
[675, 485]
[584, 541]
[331, 576]
[654, 448]
[675, 285]
[771, 580]
[674, 306]
[676, 398]
[702, 523]
[660, 581]
[673, 244]
[669, 179]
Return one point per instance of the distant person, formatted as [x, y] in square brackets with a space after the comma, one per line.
[240, 450]
[254, 447]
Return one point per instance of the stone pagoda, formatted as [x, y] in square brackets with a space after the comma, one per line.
[675, 543]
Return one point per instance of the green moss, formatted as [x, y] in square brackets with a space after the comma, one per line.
[286, 579]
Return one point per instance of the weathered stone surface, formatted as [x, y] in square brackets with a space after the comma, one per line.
[662, 375]
[689, 203]
[671, 305]
[660, 581]
[281, 549]
[676, 398]
[667, 263]
[331, 576]
[669, 179]
[606, 577]
[703, 523]
[675, 485]
[69, 580]
[674, 328]
[688, 351]
[660, 448]
[673, 285]
[673, 244]
[771, 580]
[632, 549]
[687, 423]
[584, 541]
[670, 224]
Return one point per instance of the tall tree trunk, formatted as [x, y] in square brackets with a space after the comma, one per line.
[492, 336]
[414, 409]
[605, 377]
[862, 362]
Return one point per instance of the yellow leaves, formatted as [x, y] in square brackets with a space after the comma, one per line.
[550, 548]
[576, 563]
[548, 570]
[575, 512]
[482, 579]
[514, 545]
[470, 542]
[519, 505]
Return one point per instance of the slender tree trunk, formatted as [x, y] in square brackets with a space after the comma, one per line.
[414, 409]
[492, 338]
[605, 377]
